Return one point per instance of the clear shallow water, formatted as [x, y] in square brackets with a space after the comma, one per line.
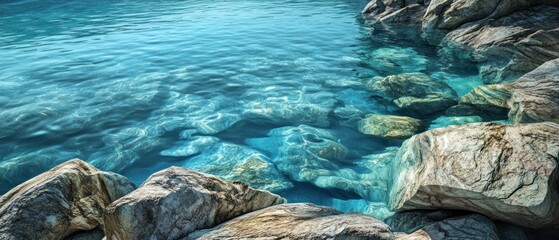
[268, 92]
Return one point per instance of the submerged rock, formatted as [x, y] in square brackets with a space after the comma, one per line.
[238, 163]
[502, 171]
[298, 221]
[416, 93]
[69, 198]
[389, 126]
[307, 154]
[445, 121]
[176, 201]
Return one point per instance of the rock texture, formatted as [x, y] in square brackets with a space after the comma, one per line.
[415, 93]
[506, 172]
[176, 201]
[298, 221]
[68, 198]
[389, 126]
[535, 96]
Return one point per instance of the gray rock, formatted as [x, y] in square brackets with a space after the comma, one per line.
[509, 46]
[535, 96]
[176, 201]
[390, 126]
[415, 92]
[506, 172]
[68, 198]
[298, 221]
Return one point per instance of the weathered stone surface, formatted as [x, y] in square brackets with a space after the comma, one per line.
[68, 198]
[506, 37]
[415, 92]
[176, 201]
[535, 96]
[298, 221]
[508, 46]
[506, 172]
[390, 126]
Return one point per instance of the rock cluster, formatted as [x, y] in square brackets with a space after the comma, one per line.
[534, 97]
[77, 201]
[506, 38]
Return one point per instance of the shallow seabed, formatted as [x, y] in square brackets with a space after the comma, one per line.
[267, 92]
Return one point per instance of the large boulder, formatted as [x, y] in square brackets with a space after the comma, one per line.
[415, 93]
[389, 126]
[176, 201]
[298, 221]
[506, 172]
[69, 198]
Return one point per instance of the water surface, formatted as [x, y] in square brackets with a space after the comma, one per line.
[267, 92]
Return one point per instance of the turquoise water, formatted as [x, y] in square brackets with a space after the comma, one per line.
[267, 92]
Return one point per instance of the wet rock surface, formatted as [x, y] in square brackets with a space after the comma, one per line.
[506, 172]
[176, 201]
[298, 221]
[390, 126]
[69, 198]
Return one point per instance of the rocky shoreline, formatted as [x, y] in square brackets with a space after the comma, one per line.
[471, 181]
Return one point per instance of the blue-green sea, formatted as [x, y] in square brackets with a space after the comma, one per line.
[265, 92]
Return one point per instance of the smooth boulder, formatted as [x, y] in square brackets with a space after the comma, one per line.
[298, 221]
[415, 93]
[177, 201]
[506, 172]
[68, 198]
[390, 126]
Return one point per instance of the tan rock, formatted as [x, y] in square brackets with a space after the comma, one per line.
[298, 221]
[506, 172]
[68, 198]
[176, 201]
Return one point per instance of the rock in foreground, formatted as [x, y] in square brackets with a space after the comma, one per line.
[298, 221]
[69, 198]
[388, 126]
[504, 172]
[176, 201]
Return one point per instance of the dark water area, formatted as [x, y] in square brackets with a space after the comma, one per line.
[266, 92]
